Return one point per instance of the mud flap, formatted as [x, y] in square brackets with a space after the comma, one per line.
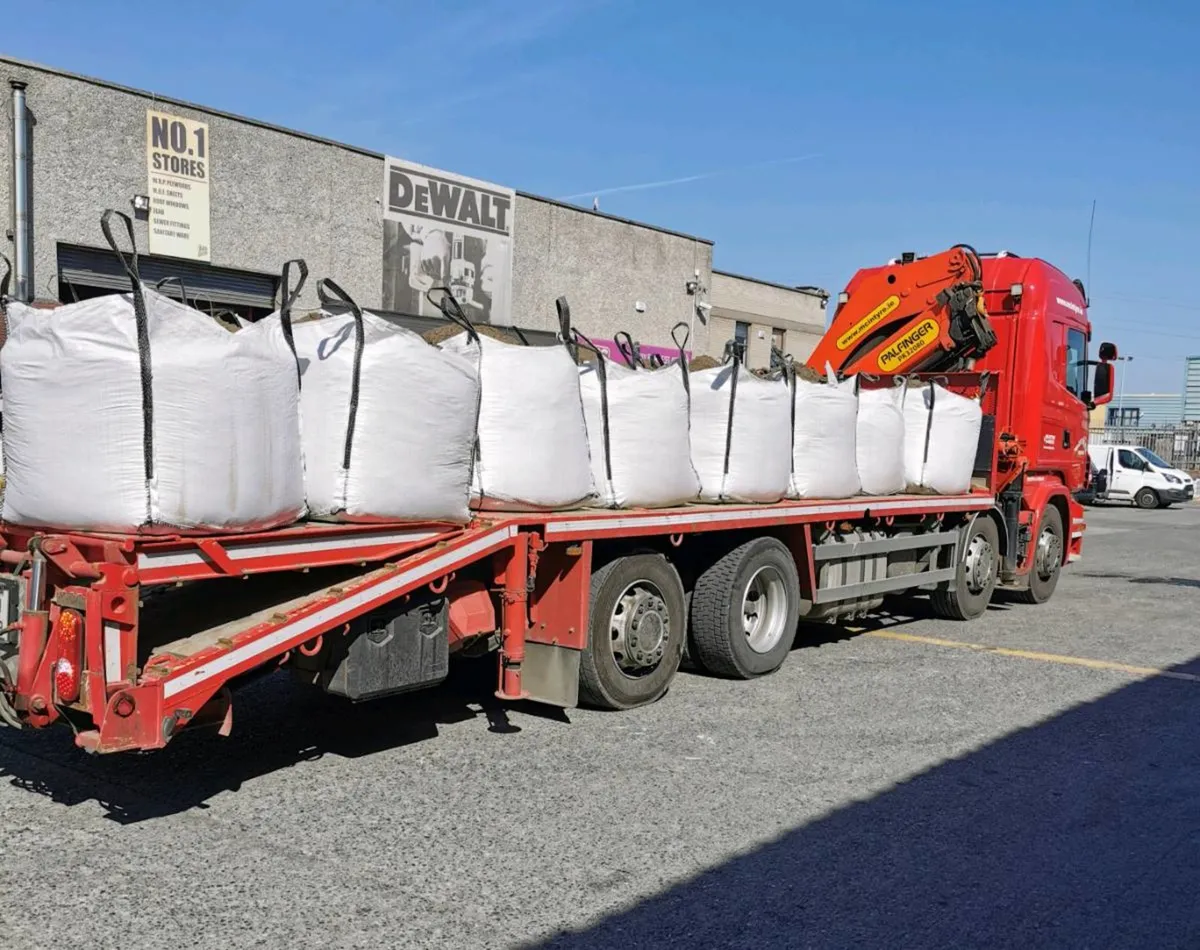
[550, 674]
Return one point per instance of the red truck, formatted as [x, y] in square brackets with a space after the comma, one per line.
[132, 638]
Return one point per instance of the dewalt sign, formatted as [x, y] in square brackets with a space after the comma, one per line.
[900, 352]
[864, 326]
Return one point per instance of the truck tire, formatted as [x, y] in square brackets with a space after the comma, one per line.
[968, 595]
[745, 609]
[1047, 559]
[637, 623]
[1146, 498]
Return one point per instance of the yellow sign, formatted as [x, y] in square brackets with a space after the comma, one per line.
[901, 351]
[859, 330]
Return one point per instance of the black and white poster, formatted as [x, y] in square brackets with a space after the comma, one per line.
[444, 230]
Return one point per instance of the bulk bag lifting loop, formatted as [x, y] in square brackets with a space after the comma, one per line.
[681, 346]
[452, 310]
[602, 375]
[328, 292]
[628, 349]
[735, 353]
[287, 300]
[143, 343]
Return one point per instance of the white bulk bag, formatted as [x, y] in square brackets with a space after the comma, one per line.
[532, 449]
[880, 438]
[133, 410]
[387, 420]
[825, 419]
[941, 436]
[637, 427]
[741, 434]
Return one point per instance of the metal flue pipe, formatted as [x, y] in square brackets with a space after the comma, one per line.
[22, 211]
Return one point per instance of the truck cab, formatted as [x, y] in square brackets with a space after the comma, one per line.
[1137, 475]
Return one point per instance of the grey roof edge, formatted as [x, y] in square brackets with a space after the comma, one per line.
[799, 289]
[612, 217]
[183, 103]
[283, 130]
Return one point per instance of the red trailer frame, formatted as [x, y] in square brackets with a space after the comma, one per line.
[537, 567]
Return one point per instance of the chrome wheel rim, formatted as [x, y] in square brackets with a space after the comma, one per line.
[979, 564]
[640, 628]
[765, 609]
[1049, 553]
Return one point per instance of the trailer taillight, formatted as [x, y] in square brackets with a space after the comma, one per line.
[68, 630]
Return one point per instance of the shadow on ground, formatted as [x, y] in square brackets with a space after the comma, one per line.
[1082, 831]
[278, 724]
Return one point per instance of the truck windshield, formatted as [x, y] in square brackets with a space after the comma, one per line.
[1153, 459]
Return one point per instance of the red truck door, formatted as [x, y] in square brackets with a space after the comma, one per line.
[1064, 422]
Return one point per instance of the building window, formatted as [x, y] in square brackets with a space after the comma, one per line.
[1129, 416]
[779, 339]
[741, 336]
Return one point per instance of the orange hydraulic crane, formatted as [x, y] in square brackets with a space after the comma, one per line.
[916, 314]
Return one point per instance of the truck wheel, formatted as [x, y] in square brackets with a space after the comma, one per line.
[1047, 559]
[637, 625]
[1146, 498]
[968, 595]
[745, 609]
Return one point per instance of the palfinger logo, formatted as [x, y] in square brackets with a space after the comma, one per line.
[902, 351]
[860, 329]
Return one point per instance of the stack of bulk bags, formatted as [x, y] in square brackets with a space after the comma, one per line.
[132, 410]
[825, 418]
[880, 438]
[637, 428]
[532, 447]
[941, 437]
[741, 434]
[387, 420]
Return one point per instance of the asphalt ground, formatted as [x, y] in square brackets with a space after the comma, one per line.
[1025, 780]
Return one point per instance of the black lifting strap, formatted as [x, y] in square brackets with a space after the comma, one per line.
[328, 291]
[564, 327]
[173, 279]
[452, 310]
[130, 263]
[733, 356]
[602, 373]
[627, 348]
[287, 299]
[681, 346]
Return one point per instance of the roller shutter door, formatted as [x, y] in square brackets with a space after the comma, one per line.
[99, 268]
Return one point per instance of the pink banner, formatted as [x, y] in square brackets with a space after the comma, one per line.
[669, 354]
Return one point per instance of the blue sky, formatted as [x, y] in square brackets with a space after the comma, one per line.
[842, 133]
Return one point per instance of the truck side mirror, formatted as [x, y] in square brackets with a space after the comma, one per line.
[1108, 352]
[1102, 384]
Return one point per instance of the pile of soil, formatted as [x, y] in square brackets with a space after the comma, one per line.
[703, 362]
[442, 334]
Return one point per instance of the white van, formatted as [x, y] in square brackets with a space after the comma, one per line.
[1138, 475]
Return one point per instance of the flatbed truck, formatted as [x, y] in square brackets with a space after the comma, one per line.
[134, 638]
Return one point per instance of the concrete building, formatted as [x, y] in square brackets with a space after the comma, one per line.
[762, 314]
[1145, 410]
[1191, 389]
[273, 194]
